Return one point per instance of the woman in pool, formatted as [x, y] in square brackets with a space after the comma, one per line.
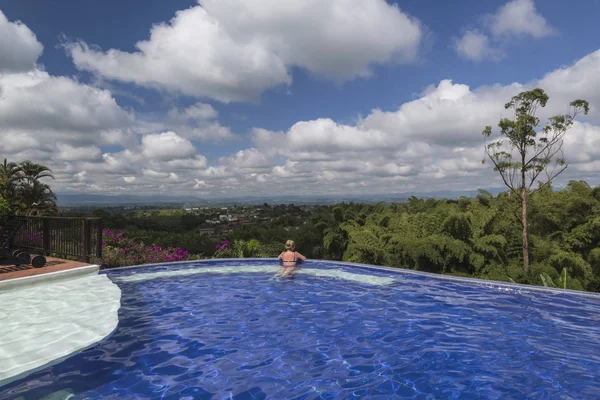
[289, 259]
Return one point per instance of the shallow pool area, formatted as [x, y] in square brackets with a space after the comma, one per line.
[225, 329]
[47, 321]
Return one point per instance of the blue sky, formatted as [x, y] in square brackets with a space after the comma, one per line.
[302, 116]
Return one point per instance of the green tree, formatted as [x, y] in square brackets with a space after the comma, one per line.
[535, 151]
[21, 186]
[10, 177]
[35, 196]
[33, 172]
[5, 209]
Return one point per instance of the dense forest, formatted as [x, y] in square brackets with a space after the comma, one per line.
[478, 237]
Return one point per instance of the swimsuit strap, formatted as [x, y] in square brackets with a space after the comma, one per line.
[294, 260]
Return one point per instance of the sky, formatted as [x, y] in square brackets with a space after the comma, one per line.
[228, 98]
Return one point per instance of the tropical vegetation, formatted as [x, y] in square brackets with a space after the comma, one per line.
[22, 190]
[118, 251]
[477, 237]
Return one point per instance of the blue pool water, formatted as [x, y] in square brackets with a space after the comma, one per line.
[395, 335]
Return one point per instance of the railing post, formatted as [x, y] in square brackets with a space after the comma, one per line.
[58, 236]
[85, 240]
[99, 239]
[46, 236]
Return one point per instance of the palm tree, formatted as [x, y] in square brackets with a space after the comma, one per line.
[34, 172]
[10, 178]
[20, 185]
[37, 199]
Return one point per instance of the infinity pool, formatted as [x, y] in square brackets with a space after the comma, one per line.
[227, 330]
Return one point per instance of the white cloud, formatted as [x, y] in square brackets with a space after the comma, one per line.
[327, 135]
[433, 142]
[220, 172]
[474, 45]
[209, 132]
[285, 171]
[267, 139]
[55, 107]
[54, 120]
[13, 142]
[582, 144]
[80, 176]
[519, 17]
[196, 112]
[201, 184]
[338, 39]
[67, 152]
[20, 47]
[115, 163]
[514, 19]
[580, 80]
[198, 162]
[155, 174]
[248, 47]
[249, 159]
[196, 122]
[167, 146]
[175, 59]
[449, 114]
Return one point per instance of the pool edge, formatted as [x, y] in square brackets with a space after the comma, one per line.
[397, 270]
[19, 283]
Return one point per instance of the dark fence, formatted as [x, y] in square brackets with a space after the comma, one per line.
[61, 236]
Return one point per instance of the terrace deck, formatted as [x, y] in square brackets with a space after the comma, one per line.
[52, 265]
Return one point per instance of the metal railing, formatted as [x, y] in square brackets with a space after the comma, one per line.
[61, 236]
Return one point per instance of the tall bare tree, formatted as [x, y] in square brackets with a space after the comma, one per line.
[530, 152]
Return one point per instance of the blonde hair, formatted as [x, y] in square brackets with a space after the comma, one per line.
[289, 245]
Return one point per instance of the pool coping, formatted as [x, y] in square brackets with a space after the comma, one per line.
[484, 282]
[27, 281]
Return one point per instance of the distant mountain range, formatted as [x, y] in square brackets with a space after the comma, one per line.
[106, 200]
[87, 199]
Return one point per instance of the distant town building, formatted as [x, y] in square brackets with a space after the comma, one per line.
[228, 218]
[206, 231]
